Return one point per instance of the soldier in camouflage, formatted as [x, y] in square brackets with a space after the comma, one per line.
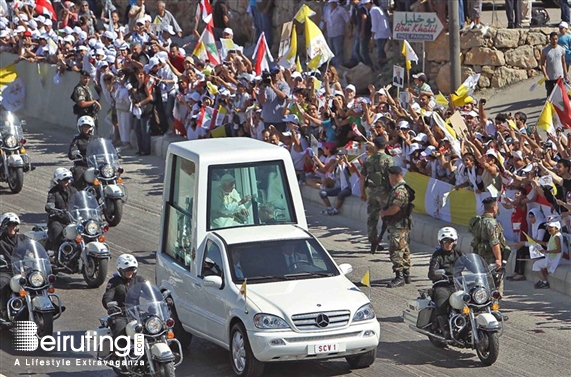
[83, 98]
[374, 177]
[399, 231]
[489, 241]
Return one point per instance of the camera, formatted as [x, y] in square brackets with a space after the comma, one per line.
[266, 77]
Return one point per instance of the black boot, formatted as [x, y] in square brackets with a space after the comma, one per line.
[406, 276]
[444, 327]
[374, 246]
[398, 281]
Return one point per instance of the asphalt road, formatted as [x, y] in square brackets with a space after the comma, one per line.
[536, 340]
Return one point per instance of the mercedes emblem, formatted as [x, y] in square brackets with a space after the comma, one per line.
[322, 320]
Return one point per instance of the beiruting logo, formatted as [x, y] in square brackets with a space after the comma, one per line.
[26, 339]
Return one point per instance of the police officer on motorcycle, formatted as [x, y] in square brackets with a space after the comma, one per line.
[444, 258]
[78, 149]
[57, 204]
[114, 297]
[9, 238]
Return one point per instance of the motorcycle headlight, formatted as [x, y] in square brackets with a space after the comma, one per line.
[480, 296]
[154, 325]
[36, 279]
[364, 313]
[269, 322]
[91, 228]
[10, 141]
[107, 171]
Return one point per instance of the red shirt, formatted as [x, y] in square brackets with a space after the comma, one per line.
[177, 62]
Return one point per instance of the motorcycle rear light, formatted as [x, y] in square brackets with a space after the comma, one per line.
[101, 238]
[120, 170]
[51, 278]
[105, 228]
[51, 290]
[170, 323]
[496, 295]
[22, 141]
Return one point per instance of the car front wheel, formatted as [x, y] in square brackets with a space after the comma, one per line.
[363, 360]
[243, 360]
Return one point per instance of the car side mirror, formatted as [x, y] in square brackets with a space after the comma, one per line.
[440, 272]
[345, 268]
[213, 281]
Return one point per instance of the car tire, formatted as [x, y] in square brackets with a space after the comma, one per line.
[184, 337]
[363, 360]
[243, 361]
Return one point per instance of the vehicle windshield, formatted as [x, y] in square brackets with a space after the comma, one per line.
[101, 152]
[144, 300]
[280, 260]
[10, 125]
[249, 194]
[471, 271]
[30, 256]
[83, 206]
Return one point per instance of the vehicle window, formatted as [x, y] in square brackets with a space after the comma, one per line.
[179, 206]
[212, 263]
[283, 260]
[249, 194]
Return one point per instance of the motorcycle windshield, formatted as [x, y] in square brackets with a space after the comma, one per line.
[471, 271]
[145, 300]
[101, 152]
[29, 257]
[10, 125]
[84, 206]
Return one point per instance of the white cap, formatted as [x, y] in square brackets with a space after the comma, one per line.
[563, 25]
[48, 22]
[377, 118]
[140, 21]
[471, 113]
[296, 75]
[403, 124]
[110, 34]
[517, 154]
[154, 61]
[163, 56]
[123, 46]
[418, 75]
[413, 148]
[33, 24]
[4, 33]
[338, 93]
[428, 151]
[195, 96]
[67, 30]
[147, 18]
[102, 64]
[291, 118]
[69, 38]
[491, 152]
[421, 137]
[351, 87]
[363, 2]
[24, 17]
[77, 30]
[20, 29]
[110, 59]
[82, 35]
[100, 52]
[169, 29]
[82, 48]
[228, 31]
[554, 224]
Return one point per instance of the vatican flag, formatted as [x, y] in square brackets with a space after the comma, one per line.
[366, 280]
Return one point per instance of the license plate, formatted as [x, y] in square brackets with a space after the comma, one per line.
[326, 348]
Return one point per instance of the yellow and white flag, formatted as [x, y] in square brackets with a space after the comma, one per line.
[366, 280]
[8, 74]
[303, 13]
[243, 289]
[316, 43]
[548, 120]
[409, 55]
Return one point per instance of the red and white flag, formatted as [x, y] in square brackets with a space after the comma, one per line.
[45, 7]
[561, 104]
[207, 38]
[356, 131]
[262, 55]
[206, 10]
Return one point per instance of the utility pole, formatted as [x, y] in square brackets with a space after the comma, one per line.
[454, 40]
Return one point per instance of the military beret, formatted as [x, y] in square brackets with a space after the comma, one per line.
[489, 200]
[395, 170]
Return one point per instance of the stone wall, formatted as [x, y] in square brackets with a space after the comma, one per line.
[501, 56]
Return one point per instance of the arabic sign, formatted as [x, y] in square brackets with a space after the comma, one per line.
[416, 26]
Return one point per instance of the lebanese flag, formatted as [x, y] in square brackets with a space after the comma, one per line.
[207, 38]
[561, 104]
[206, 10]
[262, 55]
[45, 7]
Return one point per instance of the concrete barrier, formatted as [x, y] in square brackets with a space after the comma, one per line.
[46, 100]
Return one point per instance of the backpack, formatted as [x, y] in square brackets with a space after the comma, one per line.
[474, 227]
[406, 211]
[379, 179]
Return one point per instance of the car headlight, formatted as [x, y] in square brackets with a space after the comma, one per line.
[36, 279]
[107, 171]
[91, 228]
[10, 141]
[480, 295]
[269, 322]
[364, 313]
[154, 325]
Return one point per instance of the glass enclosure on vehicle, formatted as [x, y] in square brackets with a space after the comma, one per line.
[84, 206]
[102, 155]
[471, 271]
[10, 129]
[144, 302]
[248, 194]
[280, 260]
[32, 262]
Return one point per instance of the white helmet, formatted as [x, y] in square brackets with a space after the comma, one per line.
[9, 217]
[447, 232]
[85, 120]
[126, 261]
[61, 174]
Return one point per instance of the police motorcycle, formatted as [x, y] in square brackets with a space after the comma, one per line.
[83, 249]
[474, 319]
[149, 329]
[103, 178]
[33, 297]
[13, 158]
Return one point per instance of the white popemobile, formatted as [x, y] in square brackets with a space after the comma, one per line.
[241, 268]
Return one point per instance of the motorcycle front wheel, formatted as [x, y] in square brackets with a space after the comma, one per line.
[45, 323]
[95, 271]
[113, 211]
[488, 348]
[16, 179]
[165, 369]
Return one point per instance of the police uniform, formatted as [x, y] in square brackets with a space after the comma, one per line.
[60, 199]
[375, 170]
[83, 93]
[7, 246]
[399, 232]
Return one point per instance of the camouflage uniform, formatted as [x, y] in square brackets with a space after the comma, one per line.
[83, 93]
[490, 234]
[375, 170]
[399, 232]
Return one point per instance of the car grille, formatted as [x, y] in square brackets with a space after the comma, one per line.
[321, 320]
[307, 339]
